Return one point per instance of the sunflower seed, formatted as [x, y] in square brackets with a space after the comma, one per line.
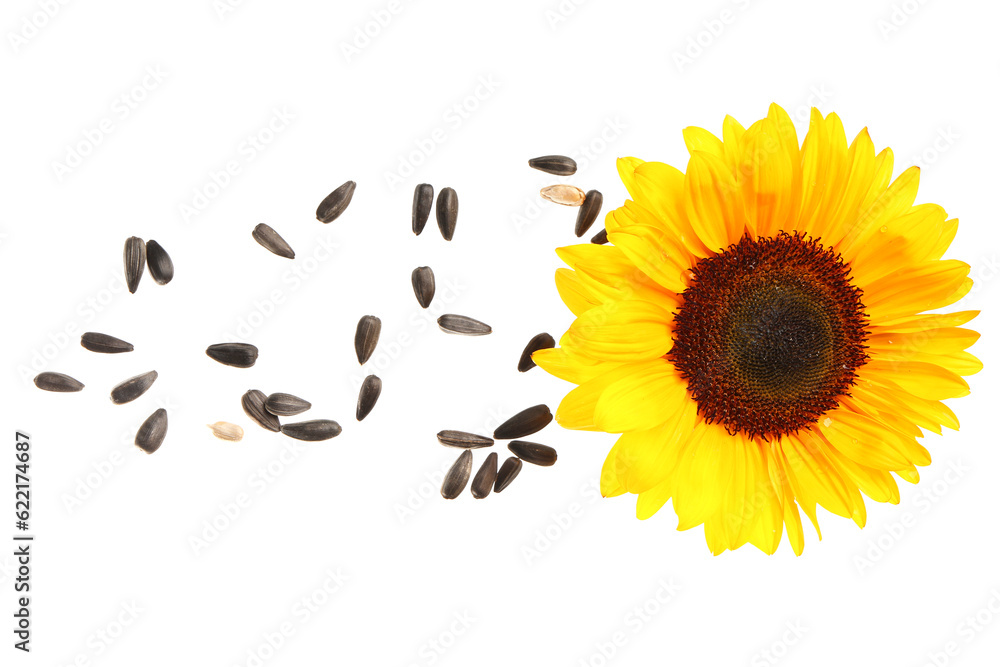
[161, 267]
[466, 326]
[135, 262]
[423, 200]
[589, 210]
[312, 431]
[542, 341]
[508, 471]
[457, 476]
[423, 285]
[366, 337]
[98, 342]
[370, 389]
[600, 238]
[525, 422]
[532, 452]
[447, 212]
[272, 241]
[286, 405]
[482, 483]
[463, 440]
[253, 404]
[150, 435]
[560, 165]
[567, 195]
[227, 431]
[133, 388]
[57, 382]
[240, 355]
[336, 202]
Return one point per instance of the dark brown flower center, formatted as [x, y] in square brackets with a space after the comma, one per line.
[770, 334]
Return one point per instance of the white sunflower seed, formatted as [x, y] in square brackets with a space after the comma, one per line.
[589, 210]
[312, 431]
[335, 203]
[457, 476]
[465, 326]
[227, 431]
[560, 165]
[423, 201]
[132, 388]
[482, 483]
[150, 435]
[567, 195]
[527, 421]
[447, 212]
[161, 267]
[463, 440]
[508, 471]
[366, 337]
[286, 405]
[532, 452]
[58, 382]
[253, 404]
[423, 285]
[272, 241]
[542, 341]
[98, 342]
[368, 396]
[239, 355]
[135, 262]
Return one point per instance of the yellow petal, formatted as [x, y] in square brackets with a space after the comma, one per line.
[764, 179]
[572, 368]
[654, 393]
[916, 289]
[623, 331]
[699, 139]
[655, 254]
[919, 378]
[712, 202]
[577, 297]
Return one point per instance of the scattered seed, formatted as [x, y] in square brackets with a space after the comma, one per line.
[135, 262]
[560, 165]
[161, 267]
[508, 471]
[227, 431]
[240, 355]
[150, 435]
[466, 326]
[600, 238]
[482, 483]
[542, 341]
[286, 405]
[366, 337]
[336, 202]
[589, 210]
[447, 212]
[423, 200]
[567, 195]
[370, 390]
[98, 342]
[272, 241]
[57, 382]
[312, 431]
[423, 285]
[457, 476]
[525, 422]
[132, 388]
[532, 452]
[464, 440]
[253, 404]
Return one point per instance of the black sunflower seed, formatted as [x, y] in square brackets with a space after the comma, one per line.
[447, 212]
[542, 341]
[525, 422]
[589, 211]
[98, 342]
[560, 165]
[135, 262]
[254, 402]
[312, 431]
[508, 471]
[600, 238]
[161, 267]
[150, 435]
[465, 326]
[57, 382]
[423, 285]
[367, 397]
[272, 241]
[285, 405]
[457, 476]
[133, 388]
[532, 452]
[336, 202]
[240, 355]
[423, 200]
[463, 440]
[366, 337]
[482, 483]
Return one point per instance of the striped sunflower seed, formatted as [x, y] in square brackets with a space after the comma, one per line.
[366, 337]
[161, 267]
[368, 396]
[532, 452]
[525, 422]
[98, 342]
[49, 381]
[560, 165]
[447, 212]
[132, 388]
[135, 262]
[423, 201]
[253, 404]
[589, 210]
[286, 405]
[272, 241]
[239, 355]
[423, 285]
[508, 471]
[567, 195]
[457, 476]
[482, 483]
[463, 440]
[150, 435]
[227, 431]
[542, 341]
[600, 238]
[336, 202]
[312, 431]
[465, 326]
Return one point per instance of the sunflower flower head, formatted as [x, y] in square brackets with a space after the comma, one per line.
[757, 331]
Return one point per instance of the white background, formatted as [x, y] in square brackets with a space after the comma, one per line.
[545, 573]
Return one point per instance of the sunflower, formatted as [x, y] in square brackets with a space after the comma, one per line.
[757, 331]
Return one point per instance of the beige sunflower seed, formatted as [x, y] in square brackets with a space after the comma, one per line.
[336, 202]
[560, 165]
[254, 405]
[423, 285]
[239, 355]
[600, 238]
[366, 337]
[508, 471]
[312, 431]
[447, 212]
[368, 396]
[286, 405]
[463, 440]
[482, 483]
[98, 342]
[150, 435]
[567, 195]
[532, 452]
[135, 262]
[457, 476]
[589, 210]
[272, 241]
[527, 421]
[58, 382]
[542, 341]
[465, 326]
[423, 200]
[132, 388]
[161, 267]
[227, 431]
